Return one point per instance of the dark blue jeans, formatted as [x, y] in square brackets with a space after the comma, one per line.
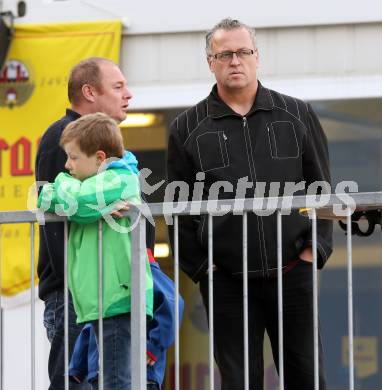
[116, 352]
[263, 316]
[54, 324]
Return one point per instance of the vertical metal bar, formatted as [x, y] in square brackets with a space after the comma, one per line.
[315, 300]
[33, 301]
[66, 308]
[176, 285]
[280, 299]
[138, 305]
[245, 300]
[211, 302]
[350, 299]
[100, 305]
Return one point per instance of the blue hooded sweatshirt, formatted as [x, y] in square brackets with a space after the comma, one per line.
[160, 334]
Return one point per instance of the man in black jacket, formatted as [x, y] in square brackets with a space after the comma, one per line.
[246, 136]
[95, 85]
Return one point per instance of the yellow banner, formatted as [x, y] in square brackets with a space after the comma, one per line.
[33, 94]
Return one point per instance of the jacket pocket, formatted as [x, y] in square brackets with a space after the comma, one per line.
[212, 150]
[282, 140]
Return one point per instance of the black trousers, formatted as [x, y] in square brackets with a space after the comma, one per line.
[263, 316]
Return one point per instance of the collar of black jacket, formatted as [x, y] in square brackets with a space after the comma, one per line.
[73, 115]
[218, 108]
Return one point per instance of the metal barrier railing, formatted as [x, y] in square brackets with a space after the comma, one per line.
[333, 205]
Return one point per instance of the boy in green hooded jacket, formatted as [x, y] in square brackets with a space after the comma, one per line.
[91, 191]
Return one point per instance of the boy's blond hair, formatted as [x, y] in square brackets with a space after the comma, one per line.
[95, 132]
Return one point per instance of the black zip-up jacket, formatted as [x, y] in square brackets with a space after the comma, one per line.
[279, 140]
[50, 161]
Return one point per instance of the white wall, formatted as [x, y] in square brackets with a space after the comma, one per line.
[323, 49]
[17, 348]
[155, 16]
[312, 63]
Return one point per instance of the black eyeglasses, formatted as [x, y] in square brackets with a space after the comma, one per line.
[226, 56]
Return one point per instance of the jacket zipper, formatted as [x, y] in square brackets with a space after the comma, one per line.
[253, 176]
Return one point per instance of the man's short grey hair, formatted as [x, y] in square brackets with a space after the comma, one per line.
[227, 25]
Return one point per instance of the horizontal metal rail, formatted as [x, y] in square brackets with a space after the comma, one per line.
[280, 205]
[369, 200]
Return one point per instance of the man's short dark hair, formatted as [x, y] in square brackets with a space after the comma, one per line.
[87, 71]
